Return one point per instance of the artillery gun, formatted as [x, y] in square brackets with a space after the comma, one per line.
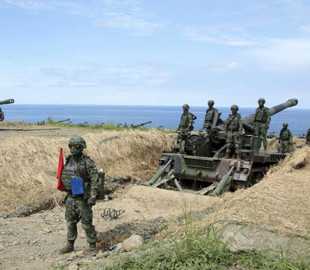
[3, 102]
[203, 167]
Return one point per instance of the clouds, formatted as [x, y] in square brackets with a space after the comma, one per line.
[282, 53]
[122, 48]
[226, 36]
[105, 75]
[230, 66]
[122, 14]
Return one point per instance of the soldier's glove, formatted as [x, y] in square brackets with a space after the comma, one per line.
[91, 201]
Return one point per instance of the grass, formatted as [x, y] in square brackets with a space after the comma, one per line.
[199, 249]
[105, 126]
[29, 163]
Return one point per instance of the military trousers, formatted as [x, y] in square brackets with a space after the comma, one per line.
[233, 140]
[285, 146]
[77, 209]
[260, 130]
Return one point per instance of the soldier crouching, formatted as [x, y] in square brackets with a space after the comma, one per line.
[79, 207]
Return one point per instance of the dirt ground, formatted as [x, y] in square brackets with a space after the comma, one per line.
[33, 242]
[15, 128]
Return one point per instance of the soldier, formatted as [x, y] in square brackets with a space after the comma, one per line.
[261, 122]
[308, 137]
[285, 139]
[209, 117]
[233, 129]
[185, 127]
[79, 207]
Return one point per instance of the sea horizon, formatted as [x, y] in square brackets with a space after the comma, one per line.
[165, 116]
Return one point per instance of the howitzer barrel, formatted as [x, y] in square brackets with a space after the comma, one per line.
[64, 120]
[142, 124]
[290, 103]
[7, 101]
[249, 119]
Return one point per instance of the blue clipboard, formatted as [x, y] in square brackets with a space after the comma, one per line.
[77, 186]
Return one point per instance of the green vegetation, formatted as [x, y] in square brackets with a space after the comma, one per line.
[108, 126]
[201, 250]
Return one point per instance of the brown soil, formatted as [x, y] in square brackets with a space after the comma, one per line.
[28, 161]
[32, 242]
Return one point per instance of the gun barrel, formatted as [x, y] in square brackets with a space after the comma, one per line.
[290, 103]
[142, 124]
[64, 120]
[249, 119]
[7, 101]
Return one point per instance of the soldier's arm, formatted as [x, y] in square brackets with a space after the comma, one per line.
[93, 175]
[240, 124]
[225, 126]
[268, 117]
[190, 122]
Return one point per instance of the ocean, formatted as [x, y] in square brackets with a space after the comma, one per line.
[165, 116]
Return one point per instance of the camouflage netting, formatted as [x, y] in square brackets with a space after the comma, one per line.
[29, 164]
[279, 202]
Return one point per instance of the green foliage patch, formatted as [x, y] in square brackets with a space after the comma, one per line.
[202, 250]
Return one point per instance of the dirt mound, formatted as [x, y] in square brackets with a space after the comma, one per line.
[29, 164]
[19, 124]
[280, 202]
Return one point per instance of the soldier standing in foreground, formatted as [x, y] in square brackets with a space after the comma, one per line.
[209, 117]
[285, 139]
[308, 137]
[261, 122]
[79, 207]
[233, 129]
[185, 127]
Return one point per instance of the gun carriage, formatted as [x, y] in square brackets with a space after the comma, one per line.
[203, 167]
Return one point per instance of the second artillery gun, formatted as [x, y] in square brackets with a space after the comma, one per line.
[3, 102]
[202, 167]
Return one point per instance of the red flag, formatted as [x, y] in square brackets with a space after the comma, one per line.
[60, 185]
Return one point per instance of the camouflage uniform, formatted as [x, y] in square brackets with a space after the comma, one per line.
[308, 137]
[285, 139]
[79, 207]
[233, 129]
[209, 117]
[186, 122]
[261, 122]
[185, 127]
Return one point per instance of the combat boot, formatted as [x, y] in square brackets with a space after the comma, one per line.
[67, 248]
[93, 249]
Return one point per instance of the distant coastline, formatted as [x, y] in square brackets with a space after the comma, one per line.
[165, 116]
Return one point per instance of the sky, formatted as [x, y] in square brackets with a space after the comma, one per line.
[155, 52]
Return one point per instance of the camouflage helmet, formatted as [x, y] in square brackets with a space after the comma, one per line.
[185, 106]
[262, 100]
[234, 107]
[210, 102]
[285, 124]
[77, 140]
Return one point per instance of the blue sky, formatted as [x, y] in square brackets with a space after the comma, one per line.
[155, 52]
